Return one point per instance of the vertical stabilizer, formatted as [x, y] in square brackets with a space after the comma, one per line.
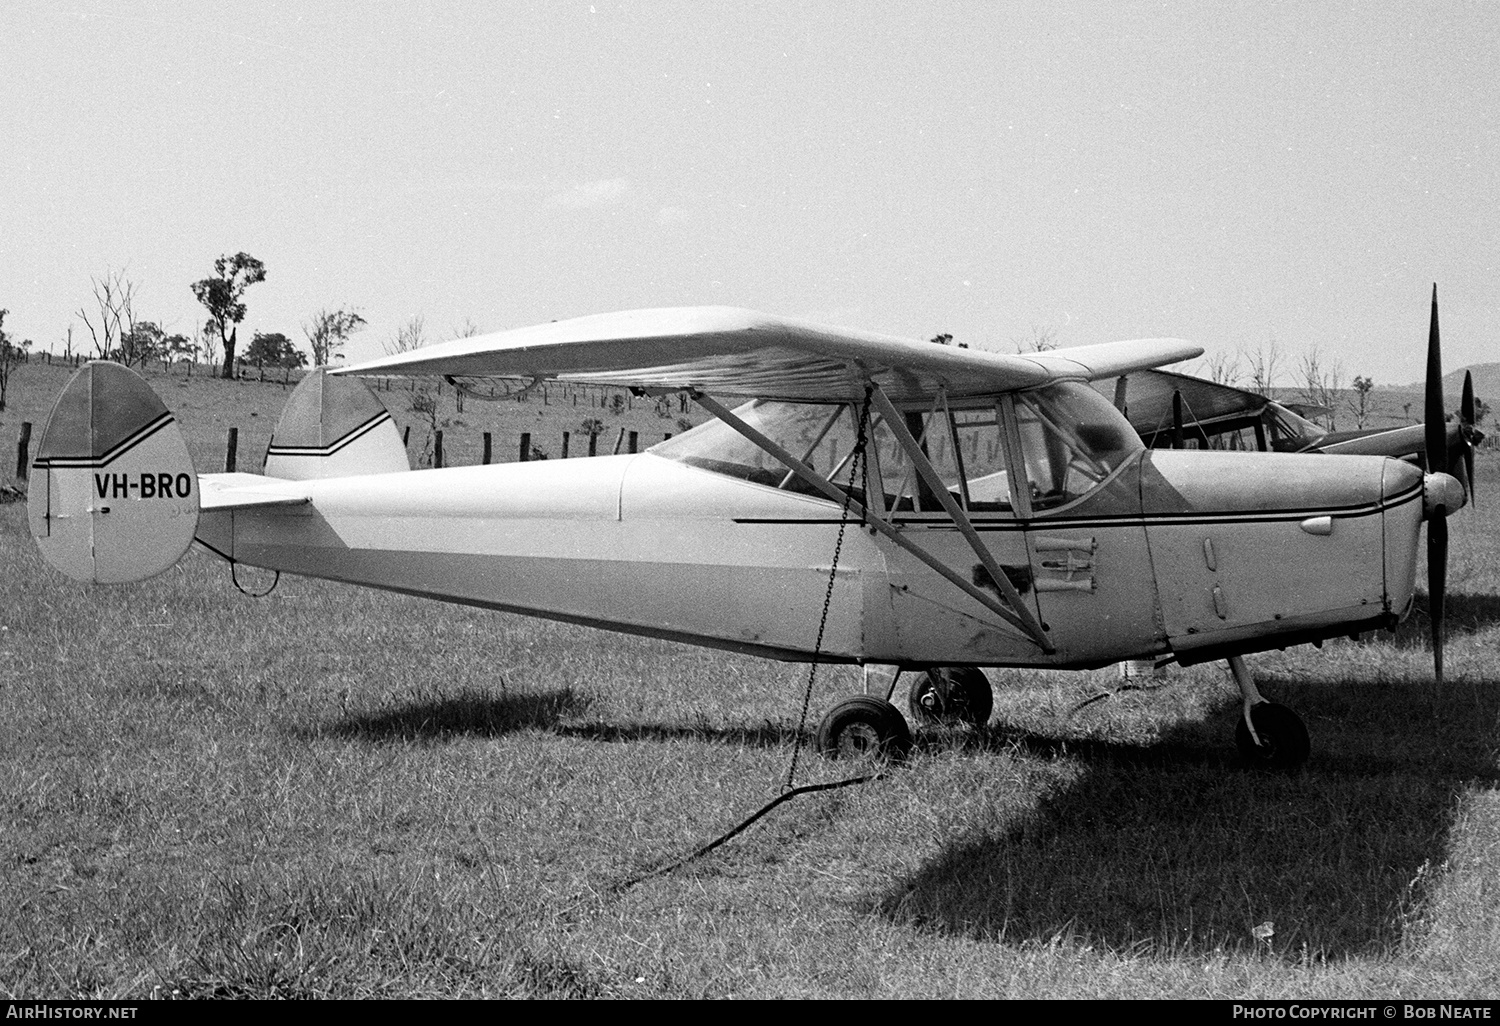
[334, 427]
[113, 494]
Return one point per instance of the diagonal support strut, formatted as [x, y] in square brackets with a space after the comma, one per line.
[1016, 616]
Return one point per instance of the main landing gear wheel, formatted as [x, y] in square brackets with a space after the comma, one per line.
[1283, 738]
[864, 727]
[949, 694]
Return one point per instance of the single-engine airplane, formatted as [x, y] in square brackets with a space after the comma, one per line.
[880, 502]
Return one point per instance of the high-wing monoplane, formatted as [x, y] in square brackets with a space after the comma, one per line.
[877, 501]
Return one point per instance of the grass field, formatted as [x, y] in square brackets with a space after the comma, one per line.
[334, 792]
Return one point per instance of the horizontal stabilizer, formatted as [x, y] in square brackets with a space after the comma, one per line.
[334, 427]
[113, 496]
[242, 491]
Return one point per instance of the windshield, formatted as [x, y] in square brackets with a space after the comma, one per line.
[1071, 440]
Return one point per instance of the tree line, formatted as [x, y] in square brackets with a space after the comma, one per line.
[117, 333]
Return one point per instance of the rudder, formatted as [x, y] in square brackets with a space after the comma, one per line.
[113, 497]
[334, 427]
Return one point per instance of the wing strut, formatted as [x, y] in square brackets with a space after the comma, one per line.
[1016, 616]
[961, 520]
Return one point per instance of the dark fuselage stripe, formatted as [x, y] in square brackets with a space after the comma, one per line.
[938, 521]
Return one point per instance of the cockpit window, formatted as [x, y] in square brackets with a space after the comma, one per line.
[820, 434]
[964, 446]
[1071, 440]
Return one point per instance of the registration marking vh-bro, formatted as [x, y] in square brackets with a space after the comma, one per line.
[986, 510]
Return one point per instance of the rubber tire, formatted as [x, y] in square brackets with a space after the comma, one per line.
[1284, 742]
[864, 727]
[952, 694]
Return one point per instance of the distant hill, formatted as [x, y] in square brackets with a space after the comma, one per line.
[1486, 383]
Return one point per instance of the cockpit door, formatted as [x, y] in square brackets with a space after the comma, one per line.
[932, 620]
[1078, 495]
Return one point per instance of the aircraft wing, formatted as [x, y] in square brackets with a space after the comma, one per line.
[239, 491]
[740, 352]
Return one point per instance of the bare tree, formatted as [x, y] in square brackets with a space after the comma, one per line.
[1222, 368]
[1043, 338]
[1264, 363]
[328, 331]
[425, 397]
[411, 335]
[1321, 384]
[114, 315]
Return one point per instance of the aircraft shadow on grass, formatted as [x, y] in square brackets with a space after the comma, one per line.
[1175, 850]
[485, 715]
[469, 714]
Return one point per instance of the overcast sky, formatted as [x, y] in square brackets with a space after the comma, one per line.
[1230, 173]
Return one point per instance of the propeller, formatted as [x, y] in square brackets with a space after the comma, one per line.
[1442, 493]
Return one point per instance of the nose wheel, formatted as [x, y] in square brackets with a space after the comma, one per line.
[864, 727]
[1269, 736]
[1280, 740]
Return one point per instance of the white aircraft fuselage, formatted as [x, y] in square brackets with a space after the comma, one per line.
[1198, 555]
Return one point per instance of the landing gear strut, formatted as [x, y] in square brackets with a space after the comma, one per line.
[1269, 736]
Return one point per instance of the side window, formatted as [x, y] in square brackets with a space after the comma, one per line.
[964, 447]
[981, 451]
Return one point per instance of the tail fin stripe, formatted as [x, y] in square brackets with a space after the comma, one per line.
[333, 447]
[59, 462]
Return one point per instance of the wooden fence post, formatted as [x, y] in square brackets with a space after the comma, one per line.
[406, 437]
[619, 441]
[565, 442]
[593, 443]
[231, 445]
[525, 446]
[437, 448]
[486, 448]
[23, 451]
[633, 440]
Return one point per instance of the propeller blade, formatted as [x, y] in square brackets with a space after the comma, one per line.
[1466, 414]
[1436, 438]
[1437, 574]
[1433, 414]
